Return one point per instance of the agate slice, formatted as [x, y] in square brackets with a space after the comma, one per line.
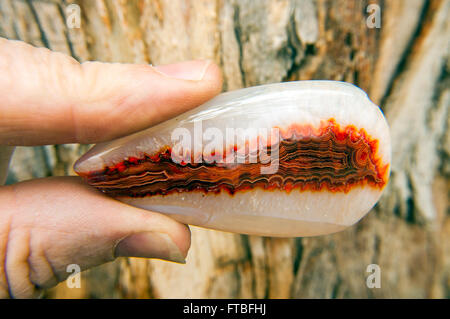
[289, 159]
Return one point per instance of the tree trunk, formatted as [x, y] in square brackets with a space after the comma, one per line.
[403, 66]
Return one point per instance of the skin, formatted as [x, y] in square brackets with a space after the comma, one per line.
[49, 98]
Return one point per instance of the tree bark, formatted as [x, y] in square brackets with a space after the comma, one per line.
[403, 66]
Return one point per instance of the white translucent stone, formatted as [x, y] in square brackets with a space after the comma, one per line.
[260, 212]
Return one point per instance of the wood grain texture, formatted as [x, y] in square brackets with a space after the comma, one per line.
[404, 66]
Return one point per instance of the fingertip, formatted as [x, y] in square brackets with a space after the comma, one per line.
[182, 238]
[205, 73]
[213, 78]
[154, 235]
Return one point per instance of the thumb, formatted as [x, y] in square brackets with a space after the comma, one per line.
[49, 98]
[49, 224]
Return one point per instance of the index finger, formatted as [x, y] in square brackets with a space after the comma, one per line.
[49, 98]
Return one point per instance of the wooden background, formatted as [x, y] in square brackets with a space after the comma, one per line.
[403, 66]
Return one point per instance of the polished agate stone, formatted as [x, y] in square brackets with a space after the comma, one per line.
[292, 159]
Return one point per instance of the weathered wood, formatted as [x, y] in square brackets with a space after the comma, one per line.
[404, 66]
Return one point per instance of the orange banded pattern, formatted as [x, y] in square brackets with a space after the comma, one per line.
[327, 158]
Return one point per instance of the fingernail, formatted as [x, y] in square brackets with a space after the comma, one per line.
[149, 245]
[190, 70]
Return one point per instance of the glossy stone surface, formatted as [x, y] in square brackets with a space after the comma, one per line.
[289, 159]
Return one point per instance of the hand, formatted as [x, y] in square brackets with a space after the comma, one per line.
[49, 98]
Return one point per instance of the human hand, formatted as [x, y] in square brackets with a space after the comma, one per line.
[49, 98]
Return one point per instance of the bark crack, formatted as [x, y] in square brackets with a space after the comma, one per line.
[67, 34]
[43, 36]
[238, 33]
[403, 61]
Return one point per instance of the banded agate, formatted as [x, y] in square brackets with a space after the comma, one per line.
[333, 155]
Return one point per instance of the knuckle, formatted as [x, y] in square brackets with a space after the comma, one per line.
[23, 273]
